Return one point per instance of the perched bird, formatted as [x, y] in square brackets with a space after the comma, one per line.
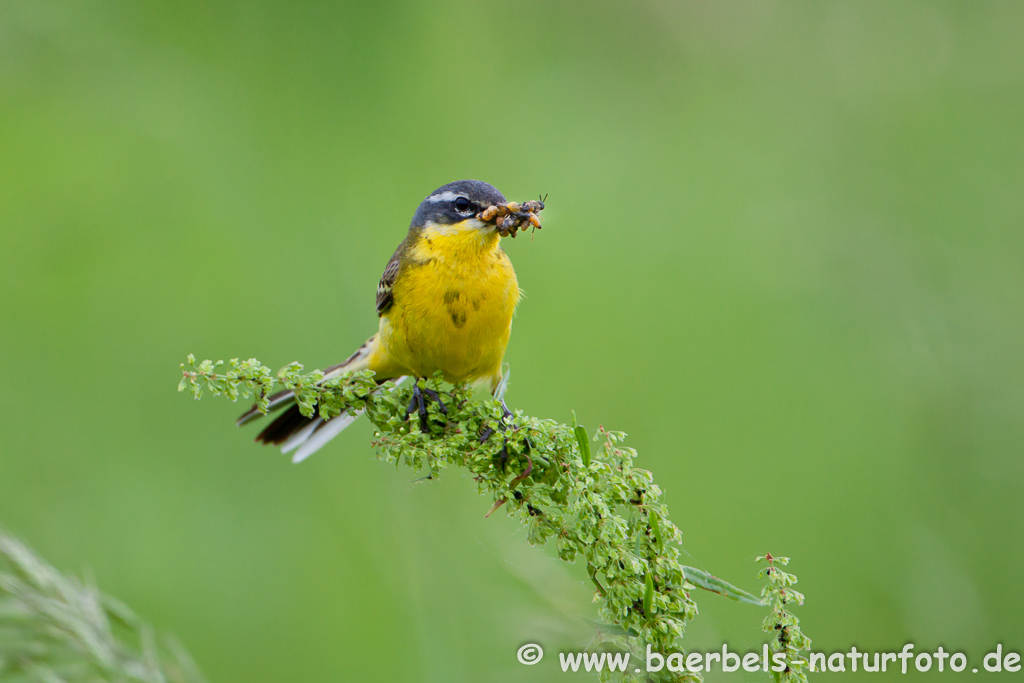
[445, 303]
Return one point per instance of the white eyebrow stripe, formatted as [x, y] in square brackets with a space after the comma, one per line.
[445, 196]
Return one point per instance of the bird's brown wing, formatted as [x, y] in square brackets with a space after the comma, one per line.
[387, 282]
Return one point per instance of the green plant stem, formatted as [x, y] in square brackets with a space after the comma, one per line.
[592, 502]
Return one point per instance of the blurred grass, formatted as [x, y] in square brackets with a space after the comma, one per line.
[783, 250]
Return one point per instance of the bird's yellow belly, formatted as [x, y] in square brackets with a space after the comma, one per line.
[452, 311]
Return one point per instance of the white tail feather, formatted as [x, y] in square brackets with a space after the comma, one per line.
[317, 433]
[300, 437]
[321, 436]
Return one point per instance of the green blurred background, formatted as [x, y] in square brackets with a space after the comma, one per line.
[783, 250]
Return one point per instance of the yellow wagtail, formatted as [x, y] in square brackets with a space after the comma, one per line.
[445, 303]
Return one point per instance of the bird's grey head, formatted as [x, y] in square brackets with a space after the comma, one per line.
[456, 202]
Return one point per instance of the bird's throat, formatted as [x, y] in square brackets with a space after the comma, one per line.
[463, 243]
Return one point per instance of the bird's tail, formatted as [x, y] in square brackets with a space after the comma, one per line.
[293, 431]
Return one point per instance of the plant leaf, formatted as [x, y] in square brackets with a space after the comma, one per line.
[584, 442]
[702, 579]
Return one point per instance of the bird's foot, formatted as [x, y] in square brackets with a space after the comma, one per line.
[503, 453]
[418, 405]
[505, 414]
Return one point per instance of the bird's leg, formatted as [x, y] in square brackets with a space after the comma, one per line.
[503, 454]
[418, 404]
[506, 413]
[527, 447]
[436, 398]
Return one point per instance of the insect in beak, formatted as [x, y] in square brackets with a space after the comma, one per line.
[513, 216]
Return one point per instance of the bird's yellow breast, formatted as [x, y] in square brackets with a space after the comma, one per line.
[453, 303]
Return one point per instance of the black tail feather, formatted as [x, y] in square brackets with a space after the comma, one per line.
[283, 426]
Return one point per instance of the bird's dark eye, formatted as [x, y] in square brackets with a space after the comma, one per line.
[462, 205]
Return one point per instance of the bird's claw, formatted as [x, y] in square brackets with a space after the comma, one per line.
[505, 414]
[418, 404]
[503, 453]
